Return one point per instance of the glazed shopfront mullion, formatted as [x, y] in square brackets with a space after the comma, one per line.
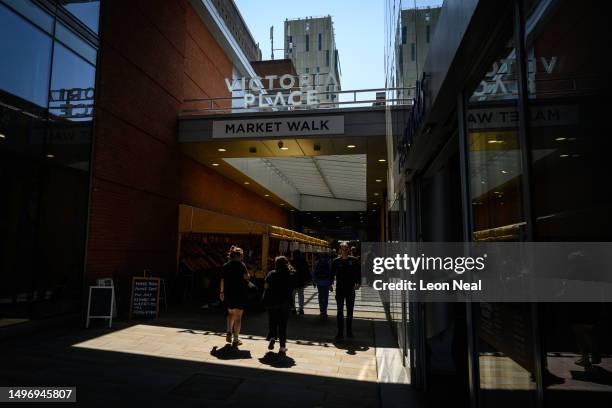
[503, 364]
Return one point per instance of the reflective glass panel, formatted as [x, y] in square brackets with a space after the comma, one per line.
[25, 58]
[86, 11]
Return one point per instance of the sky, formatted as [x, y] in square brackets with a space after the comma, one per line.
[358, 25]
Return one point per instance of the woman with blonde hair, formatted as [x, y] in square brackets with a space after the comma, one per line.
[234, 292]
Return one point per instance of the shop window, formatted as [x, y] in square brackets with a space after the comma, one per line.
[569, 90]
[25, 61]
[427, 33]
[507, 364]
[404, 34]
[320, 41]
[327, 58]
[307, 39]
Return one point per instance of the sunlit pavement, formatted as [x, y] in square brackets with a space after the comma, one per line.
[183, 359]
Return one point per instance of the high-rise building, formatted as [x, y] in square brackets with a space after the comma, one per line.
[310, 43]
[415, 34]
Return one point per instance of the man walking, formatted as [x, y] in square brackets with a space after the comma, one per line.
[346, 272]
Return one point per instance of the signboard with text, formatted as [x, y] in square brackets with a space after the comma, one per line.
[145, 298]
[279, 127]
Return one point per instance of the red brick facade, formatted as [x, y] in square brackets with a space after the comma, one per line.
[154, 54]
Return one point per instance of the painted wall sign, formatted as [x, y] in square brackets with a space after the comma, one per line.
[281, 127]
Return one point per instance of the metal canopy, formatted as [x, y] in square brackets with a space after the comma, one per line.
[332, 183]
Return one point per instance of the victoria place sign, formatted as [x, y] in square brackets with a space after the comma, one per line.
[293, 90]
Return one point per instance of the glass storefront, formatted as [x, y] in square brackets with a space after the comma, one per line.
[47, 82]
[568, 97]
[534, 114]
[541, 354]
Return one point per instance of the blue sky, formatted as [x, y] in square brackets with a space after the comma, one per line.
[359, 28]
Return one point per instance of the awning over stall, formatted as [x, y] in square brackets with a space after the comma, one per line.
[193, 219]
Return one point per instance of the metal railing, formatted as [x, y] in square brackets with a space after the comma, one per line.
[217, 104]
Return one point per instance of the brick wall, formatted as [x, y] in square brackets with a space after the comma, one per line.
[154, 54]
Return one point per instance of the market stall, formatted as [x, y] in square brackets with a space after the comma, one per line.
[206, 236]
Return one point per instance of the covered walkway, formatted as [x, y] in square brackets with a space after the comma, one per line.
[182, 359]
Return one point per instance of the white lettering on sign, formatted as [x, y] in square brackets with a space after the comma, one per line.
[295, 126]
[260, 92]
[497, 118]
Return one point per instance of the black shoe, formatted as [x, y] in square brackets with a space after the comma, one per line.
[301, 312]
[271, 344]
[339, 337]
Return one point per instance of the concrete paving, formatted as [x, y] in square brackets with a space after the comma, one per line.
[182, 359]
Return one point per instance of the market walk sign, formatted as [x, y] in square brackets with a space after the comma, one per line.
[304, 125]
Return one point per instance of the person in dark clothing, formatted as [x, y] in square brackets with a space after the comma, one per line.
[278, 297]
[321, 276]
[234, 292]
[346, 272]
[303, 278]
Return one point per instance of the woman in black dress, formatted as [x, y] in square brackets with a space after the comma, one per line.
[234, 292]
[278, 298]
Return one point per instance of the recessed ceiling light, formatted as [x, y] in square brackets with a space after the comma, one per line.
[559, 139]
[504, 172]
[375, 194]
[2, 136]
[351, 146]
[374, 203]
[246, 182]
[266, 195]
[50, 156]
[284, 148]
[282, 203]
[378, 180]
[382, 160]
[495, 141]
[221, 149]
[215, 164]
[563, 156]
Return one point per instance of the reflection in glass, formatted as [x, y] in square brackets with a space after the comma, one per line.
[569, 90]
[44, 167]
[26, 58]
[71, 108]
[504, 341]
[87, 11]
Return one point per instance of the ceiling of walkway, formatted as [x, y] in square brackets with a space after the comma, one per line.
[322, 174]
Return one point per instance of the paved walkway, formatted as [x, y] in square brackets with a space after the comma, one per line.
[182, 359]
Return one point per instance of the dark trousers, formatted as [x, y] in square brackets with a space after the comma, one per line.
[323, 291]
[278, 316]
[347, 296]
